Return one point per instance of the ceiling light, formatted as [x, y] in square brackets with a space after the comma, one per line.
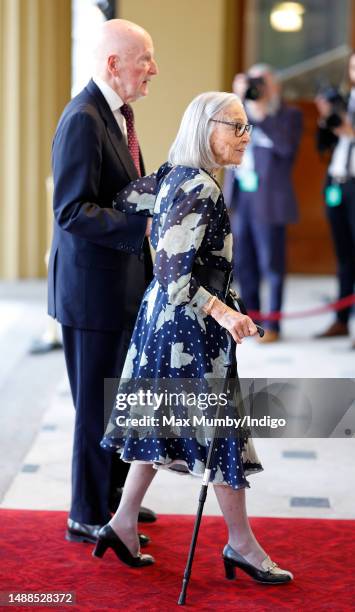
[287, 17]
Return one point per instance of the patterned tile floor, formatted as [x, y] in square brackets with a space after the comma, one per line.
[302, 477]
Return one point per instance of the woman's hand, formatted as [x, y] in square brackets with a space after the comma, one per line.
[238, 325]
[345, 129]
[148, 228]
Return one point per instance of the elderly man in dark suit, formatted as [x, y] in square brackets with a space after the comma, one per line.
[99, 264]
[260, 192]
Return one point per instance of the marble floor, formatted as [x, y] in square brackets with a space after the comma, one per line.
[311, 477]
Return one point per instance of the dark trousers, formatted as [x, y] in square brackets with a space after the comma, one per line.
[92, 356]
[260, 253]
[342, 224]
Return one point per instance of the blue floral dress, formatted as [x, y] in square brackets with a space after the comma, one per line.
[173, 338]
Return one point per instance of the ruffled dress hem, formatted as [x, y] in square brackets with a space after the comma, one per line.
[248, 469]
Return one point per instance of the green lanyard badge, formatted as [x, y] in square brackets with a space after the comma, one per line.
[249, 181]
[333, 195]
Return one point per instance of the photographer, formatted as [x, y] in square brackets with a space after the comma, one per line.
[260, 192]
[336, 135]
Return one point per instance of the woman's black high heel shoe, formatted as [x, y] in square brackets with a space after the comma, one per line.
[270, 574]
[107, 538]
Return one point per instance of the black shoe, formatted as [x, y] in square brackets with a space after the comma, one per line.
[109, 539]
[40, 347]
[81, 532]
[270, 574]
[145, 514]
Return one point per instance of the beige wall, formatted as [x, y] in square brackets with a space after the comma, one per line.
[190, 39]
[194, 49]
[35, 71]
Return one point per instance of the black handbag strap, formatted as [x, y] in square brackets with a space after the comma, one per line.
[220, 280]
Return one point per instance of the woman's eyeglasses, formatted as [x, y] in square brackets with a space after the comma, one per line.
[239, 128]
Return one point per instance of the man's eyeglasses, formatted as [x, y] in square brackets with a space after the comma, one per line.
[239, 128]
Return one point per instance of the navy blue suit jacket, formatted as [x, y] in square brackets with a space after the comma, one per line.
[275, 200]
[95, 277]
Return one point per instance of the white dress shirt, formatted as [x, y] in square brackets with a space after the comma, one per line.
[114, 101]
[351, 103]
[339, 159]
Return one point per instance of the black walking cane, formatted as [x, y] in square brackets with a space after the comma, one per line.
[230, 366]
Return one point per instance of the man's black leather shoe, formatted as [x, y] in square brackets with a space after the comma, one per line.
[81, 532]
[145, 514]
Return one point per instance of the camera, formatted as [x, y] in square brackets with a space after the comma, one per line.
[255, 88]
[338, 107]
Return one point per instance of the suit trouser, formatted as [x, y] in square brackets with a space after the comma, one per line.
[92, 356]
[342, 224]
[260, 253]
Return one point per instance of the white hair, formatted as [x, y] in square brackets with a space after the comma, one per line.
[263, 68]
[191, 146]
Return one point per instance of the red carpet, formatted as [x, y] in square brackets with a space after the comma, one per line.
[320, 553]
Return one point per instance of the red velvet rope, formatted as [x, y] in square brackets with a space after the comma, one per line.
[345, 302]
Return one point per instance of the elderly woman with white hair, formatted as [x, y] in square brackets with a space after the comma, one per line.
[183, 326]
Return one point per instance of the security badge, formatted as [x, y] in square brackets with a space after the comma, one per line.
[249, 181]
[333, 195]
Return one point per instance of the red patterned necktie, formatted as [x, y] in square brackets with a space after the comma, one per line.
[132, 139]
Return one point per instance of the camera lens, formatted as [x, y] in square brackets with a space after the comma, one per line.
[252, 93]
[333, 121]
[255, 88]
